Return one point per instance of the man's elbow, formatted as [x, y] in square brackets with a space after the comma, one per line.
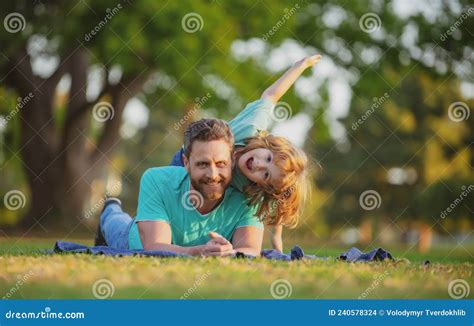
[252, 251]
[149, 246]
[255, 252]
[155, 246]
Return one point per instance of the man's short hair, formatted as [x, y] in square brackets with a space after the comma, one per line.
[207, 130]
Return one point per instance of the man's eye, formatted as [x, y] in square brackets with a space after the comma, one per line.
[221, 164]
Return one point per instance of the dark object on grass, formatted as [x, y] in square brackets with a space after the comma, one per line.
[354, 254]
[71, 247]
[239, 254]
[351, 255]
[296, 253]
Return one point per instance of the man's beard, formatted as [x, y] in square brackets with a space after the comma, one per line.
[210, 194]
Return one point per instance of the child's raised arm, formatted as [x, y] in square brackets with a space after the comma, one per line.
[279, 88]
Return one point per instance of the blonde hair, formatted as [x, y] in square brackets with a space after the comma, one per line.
[283, 205]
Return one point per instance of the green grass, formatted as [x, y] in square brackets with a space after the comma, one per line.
[27, 273]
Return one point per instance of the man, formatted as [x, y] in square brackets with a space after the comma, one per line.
[180, 208]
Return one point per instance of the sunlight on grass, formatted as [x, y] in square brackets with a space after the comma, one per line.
[35, 275]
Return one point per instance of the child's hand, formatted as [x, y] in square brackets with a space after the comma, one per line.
[279, 88]
[309, 61]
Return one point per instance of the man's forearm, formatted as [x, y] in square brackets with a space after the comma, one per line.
[192, 251]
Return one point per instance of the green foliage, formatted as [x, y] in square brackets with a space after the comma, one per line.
[408, 128]
[411, 129]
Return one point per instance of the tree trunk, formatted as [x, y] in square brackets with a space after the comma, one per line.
[37, 142]
[61, 166]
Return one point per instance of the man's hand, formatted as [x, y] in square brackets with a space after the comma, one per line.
[217, 246]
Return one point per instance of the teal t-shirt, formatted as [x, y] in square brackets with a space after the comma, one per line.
[163, 194]
[256, 116]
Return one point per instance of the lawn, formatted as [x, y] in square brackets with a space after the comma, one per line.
[27, 273]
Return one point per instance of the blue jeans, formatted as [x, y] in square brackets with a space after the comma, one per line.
[177, 159]
[115, 225]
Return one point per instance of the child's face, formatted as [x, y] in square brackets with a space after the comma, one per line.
[258, 165]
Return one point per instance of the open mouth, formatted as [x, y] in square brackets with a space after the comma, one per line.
[249, 163]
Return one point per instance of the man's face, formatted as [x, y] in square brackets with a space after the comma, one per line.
[210, 168]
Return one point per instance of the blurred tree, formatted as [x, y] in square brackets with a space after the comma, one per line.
[401, 141]
[145, 50]
[127, 44]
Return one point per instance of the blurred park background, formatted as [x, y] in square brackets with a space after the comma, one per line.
[93, 93]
